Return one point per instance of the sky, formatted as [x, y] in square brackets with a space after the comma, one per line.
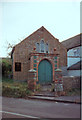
[19, 19]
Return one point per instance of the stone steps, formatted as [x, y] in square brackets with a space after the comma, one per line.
[45, 90]
[45, 94]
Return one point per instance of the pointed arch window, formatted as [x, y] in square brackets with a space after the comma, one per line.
[47, 48]
[37, 47]
[42, 46]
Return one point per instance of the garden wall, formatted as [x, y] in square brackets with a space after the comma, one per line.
[71, 82]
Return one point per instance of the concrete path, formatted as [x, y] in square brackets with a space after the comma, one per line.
[64, 99]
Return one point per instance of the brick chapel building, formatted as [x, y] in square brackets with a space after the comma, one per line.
[40, 51]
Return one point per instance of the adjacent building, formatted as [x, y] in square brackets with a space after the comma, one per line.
[74, 47]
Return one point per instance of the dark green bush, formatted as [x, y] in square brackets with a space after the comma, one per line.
[73, 92]
[17, 90]
[6, 66]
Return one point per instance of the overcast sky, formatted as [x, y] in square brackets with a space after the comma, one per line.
[20, 19]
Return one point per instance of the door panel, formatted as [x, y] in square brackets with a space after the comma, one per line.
[45, 72]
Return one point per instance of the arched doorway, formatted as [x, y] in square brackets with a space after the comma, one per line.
[45, 72]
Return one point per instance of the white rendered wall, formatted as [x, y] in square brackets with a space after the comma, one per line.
[73, 56]
[74, 73]
[72, 61]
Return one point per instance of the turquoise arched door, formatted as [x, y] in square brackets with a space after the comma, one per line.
[45, 72]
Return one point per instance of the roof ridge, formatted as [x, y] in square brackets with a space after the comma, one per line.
[71, 37]
[42, 27]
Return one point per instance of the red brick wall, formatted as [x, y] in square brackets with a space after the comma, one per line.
[23, 49]
[71, 82]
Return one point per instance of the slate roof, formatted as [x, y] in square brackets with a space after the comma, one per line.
[76, 66]
[73, 42]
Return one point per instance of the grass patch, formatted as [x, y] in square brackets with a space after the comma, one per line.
[20, 89]
[15, 89]
[7, 80]
[38, 88]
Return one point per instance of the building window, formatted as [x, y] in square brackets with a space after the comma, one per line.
[76, 52]
[37, 47]
[18, 66]
[47, 48]
[42, 46]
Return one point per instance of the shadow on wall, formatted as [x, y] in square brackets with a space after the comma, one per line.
[64, 71]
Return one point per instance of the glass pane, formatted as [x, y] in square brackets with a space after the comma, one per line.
[17, 66]
[37, 47]
[42, 46]
[47, 48]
